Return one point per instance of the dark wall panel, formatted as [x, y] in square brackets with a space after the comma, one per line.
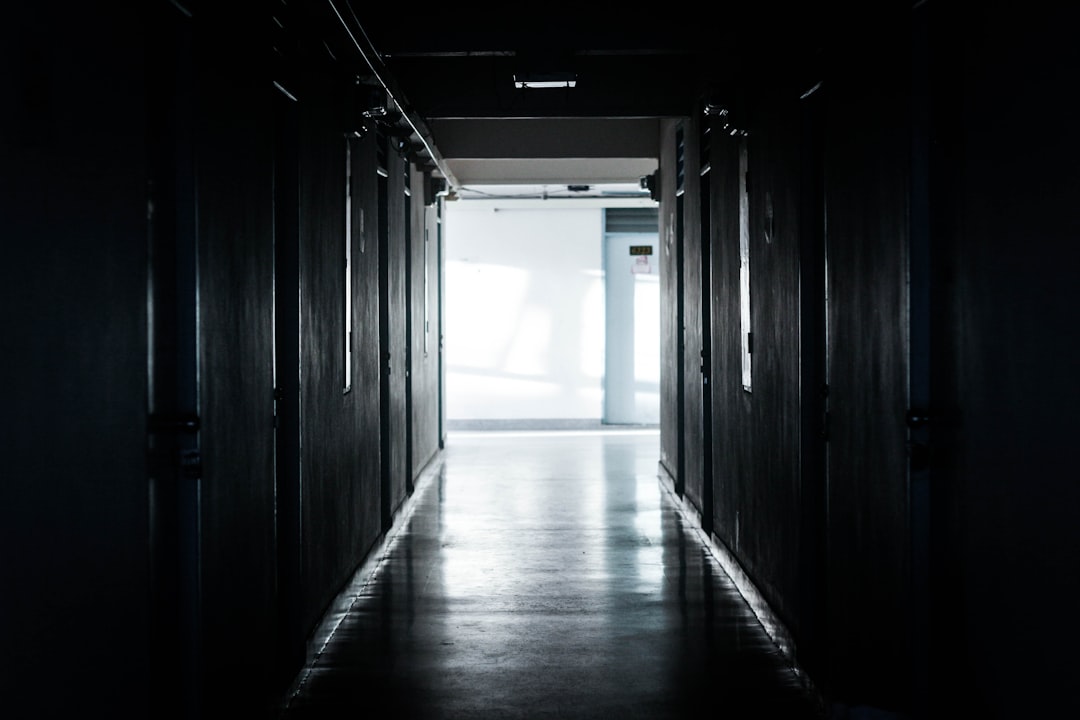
[395, 353]
[769, 503]
[339, 521]
[73, 343]
[692, 337]
[670, 332]
[866, 186]
[756, 434]
[423, 308]
[366, 512]
[1007, 389]
[812, 636]
[732, 419]
[235, 216]
[776, 486]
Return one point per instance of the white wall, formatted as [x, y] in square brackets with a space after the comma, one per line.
[524, 336]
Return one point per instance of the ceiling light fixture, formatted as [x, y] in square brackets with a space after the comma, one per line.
[545, 80]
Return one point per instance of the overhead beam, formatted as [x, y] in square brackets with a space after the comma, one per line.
[551, 171]
[548, 138]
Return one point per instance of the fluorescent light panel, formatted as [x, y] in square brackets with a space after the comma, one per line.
[550, 80]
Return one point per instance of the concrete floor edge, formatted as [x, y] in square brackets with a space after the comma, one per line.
[770, 621]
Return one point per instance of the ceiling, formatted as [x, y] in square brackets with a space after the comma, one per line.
[449, 79]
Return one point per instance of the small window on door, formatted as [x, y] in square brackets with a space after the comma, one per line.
[346, 306]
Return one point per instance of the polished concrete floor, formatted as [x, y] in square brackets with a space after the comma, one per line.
[546, 575]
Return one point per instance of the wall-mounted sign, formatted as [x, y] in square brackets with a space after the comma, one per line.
[641, 249]
[641, 266]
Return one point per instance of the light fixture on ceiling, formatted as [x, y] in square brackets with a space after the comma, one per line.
[545, 80]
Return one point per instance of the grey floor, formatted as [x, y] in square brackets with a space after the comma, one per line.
[547, 575]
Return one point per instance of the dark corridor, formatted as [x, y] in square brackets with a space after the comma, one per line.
[222, 231]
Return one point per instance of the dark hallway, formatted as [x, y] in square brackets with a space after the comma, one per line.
[547, 575]
[222, 337]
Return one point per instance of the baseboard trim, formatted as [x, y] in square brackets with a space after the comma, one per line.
[766, 616]
[346, 599]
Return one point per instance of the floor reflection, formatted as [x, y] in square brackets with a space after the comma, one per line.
[549, 575]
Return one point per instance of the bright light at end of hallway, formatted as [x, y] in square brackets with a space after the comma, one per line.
[530, 349]
[478, 392]
[592, 328]
[485, 296]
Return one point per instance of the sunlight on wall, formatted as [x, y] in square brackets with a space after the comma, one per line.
[472, 287]
[524, 313]
[592, 326]
[646, 345]
[530, 351]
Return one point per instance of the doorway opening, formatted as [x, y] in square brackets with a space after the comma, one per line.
[551, 312]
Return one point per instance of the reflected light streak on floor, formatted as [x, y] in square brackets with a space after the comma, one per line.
[549, 575]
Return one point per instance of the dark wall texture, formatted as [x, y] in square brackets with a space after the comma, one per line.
[826, 546]
[234, 188]
[757, 477]
[670, 314]
[732, 410]
[339, 485]
[1005, 389]
[395, 357]
[188, 485]
[693, 332]
[866, 185]
[73, 348]
[911, 252]
[367, 509]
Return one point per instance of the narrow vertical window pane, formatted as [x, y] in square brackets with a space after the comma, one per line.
[347, 304]
[744, 264]
[427, 302]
